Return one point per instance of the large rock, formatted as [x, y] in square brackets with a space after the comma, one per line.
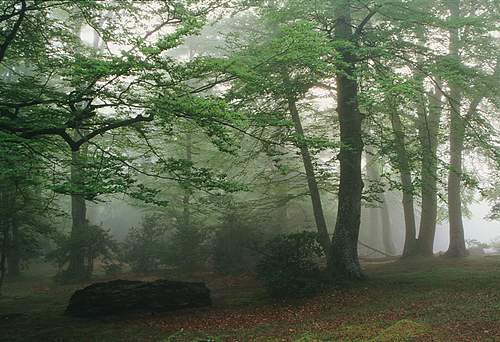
[123, 296]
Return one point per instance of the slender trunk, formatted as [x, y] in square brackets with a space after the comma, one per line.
[319, 217]
[371, 234]
[345, 238]
[403, 164]
[13, 254]
[374, 224]
[380, 215]
[457, 135]
[428, 131]
[76, 268]
[387, 228]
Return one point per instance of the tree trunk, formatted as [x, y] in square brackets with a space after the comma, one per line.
[457, 135]
[457, 246]
[374, 222]
[428, 130]
[13, 254]
[319, 217]
[387, 228]
[403, 164]
[380, 215]
[371, 227]
[76, 268]
[345, 238]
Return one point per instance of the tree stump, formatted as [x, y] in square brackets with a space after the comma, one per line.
[124, 296]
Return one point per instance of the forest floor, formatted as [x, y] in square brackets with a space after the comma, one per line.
[435, 299]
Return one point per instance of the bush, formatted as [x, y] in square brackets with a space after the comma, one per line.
[95, 243]
[288, 267]
[187, 249]
[234, 246]
[144, 246]
[113, 269]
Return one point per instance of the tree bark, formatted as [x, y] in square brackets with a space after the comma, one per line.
[457, 134]
[457, 246]
[380, 215]
[76, 268]
[319, 217]
[345, 238]
[428, 129]
[403, 164]
[374, 222]
[387, 239]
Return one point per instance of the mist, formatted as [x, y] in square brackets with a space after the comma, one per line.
[249, 170]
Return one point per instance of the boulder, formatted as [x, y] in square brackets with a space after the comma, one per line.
[124, 296]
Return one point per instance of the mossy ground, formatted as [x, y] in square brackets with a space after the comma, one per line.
[435, 299]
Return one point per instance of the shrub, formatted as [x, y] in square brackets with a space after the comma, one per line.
[95, 243]
[234, 246]
[187, 249]
[144, 246]
[288, 267]
[112, 269]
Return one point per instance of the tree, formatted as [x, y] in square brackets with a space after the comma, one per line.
[461, 36]
[345, 237]
[77, 93]
[25, 202]
[289, 64]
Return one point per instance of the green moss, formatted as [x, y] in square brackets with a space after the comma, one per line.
[403, 330]
[437, 297]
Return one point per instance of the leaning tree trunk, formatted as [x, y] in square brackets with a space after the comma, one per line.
[428, 130]
[312, 184]
[345, 238]
[403, 164]
[76, 268]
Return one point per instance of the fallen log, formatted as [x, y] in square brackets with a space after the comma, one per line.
[125, 296]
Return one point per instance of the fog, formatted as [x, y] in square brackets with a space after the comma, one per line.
[236, 170]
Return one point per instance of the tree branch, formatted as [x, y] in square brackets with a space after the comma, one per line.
[365, 21]
[113, 125]
[12, 34]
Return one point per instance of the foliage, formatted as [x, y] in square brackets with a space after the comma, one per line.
[289, 267]
[495, 212]
[495, 242]
[188, 247]
[234, 245]
[95, 243]
[473, 243]
[144, 246]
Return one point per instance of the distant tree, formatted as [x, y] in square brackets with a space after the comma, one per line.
[144, 246]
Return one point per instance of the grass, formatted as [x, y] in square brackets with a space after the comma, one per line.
[434, 299]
